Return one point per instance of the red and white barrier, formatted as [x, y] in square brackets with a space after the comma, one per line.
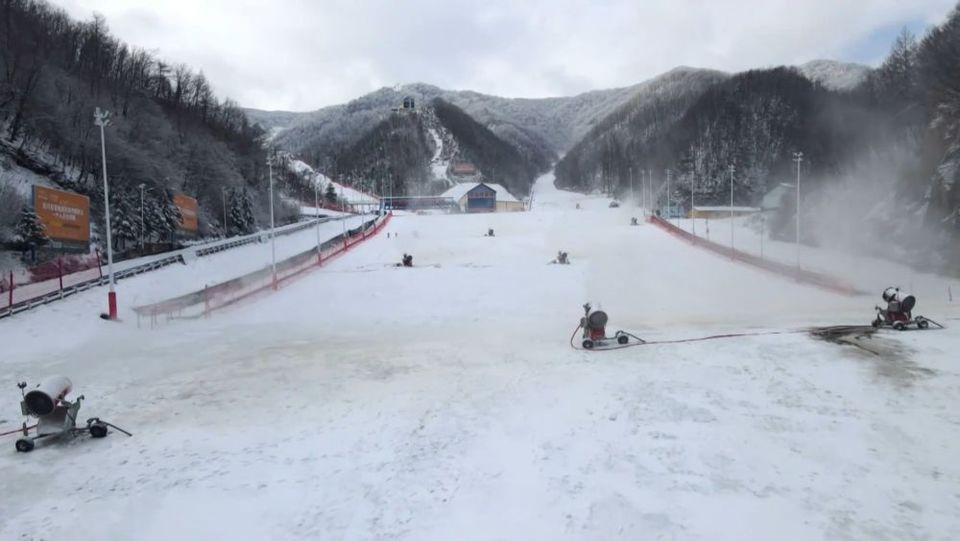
[817, 279]
[203, 302]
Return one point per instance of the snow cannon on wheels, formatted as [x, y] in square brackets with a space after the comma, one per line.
[594, 325]
[898, 313]
[56, 416]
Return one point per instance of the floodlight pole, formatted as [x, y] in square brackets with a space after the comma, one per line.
[693, 216]
[798, 157]
[223, 192]
[142, 186]
[669, 202]
[273, 233]
[732, 169]
[316, 206]
[102, 119]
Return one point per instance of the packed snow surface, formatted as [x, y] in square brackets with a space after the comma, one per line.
[367, 401]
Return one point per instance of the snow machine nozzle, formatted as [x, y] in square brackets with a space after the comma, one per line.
[594, 325]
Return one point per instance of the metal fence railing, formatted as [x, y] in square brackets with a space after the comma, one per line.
[17, 296]
[202, 302]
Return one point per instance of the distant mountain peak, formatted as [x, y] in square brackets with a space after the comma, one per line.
[834, 74]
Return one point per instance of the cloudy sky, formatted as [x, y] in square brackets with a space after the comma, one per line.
[301, 55]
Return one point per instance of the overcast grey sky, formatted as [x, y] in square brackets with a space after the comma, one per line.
[301, 55]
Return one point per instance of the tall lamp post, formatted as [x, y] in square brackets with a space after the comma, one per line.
[142, 186]
[273, 234]
[732, 169]
[102, 119]
[798, 157]
[316, 206]
[226, 230]
[693, 216]
[669, 201]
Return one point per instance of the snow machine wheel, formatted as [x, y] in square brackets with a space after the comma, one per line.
[899, 326]
[24, 445]
[876, 323]
[588, 344]
[623, 339]
[98, 430]
[922, 323]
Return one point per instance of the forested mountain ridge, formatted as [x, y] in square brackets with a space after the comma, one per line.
[168, 130]
[886, 150]
[407, 152]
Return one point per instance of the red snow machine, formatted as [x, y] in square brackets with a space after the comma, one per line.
[594, 325]
[899, 312]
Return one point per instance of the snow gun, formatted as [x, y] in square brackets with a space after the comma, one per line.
[56, 416]
[594, 325]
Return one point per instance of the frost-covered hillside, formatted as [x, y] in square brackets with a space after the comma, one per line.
[835, 75]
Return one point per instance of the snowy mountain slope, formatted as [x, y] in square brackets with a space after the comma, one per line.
[403, 151]
[835, 75]
[347, 194]
[397, 403]
[551, 124]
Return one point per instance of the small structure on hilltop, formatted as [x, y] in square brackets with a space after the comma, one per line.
[482, 197]
[463, 172]
[408, 105]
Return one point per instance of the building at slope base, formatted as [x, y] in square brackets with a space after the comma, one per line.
[483, 197]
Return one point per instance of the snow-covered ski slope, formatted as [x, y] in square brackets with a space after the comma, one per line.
[443, 401]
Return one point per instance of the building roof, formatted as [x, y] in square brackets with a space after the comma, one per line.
[461, 189]
[463, 168]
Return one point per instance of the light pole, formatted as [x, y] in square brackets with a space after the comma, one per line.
[798, 157]
[102, 119]
[632, 197]
[343, 219]
[650, 196]
[273, 234]
[669, 202]
[763, 221]
[693, 217]
[648, 207]
[316, 206]
[226, 230]
[142, 186]
[732, 169]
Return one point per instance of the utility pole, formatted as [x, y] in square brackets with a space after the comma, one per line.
[223, 192]
[633, 200]
[798, 157]
[316, 206]
[273, 233]
[102, 119]
[693, 217]
[763, 222]
[650, 202]
[142, 186]
[731, 210]
[669, 202]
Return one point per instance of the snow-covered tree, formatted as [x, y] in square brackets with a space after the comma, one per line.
[241, 212]
[30, 230]
[124, 219]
